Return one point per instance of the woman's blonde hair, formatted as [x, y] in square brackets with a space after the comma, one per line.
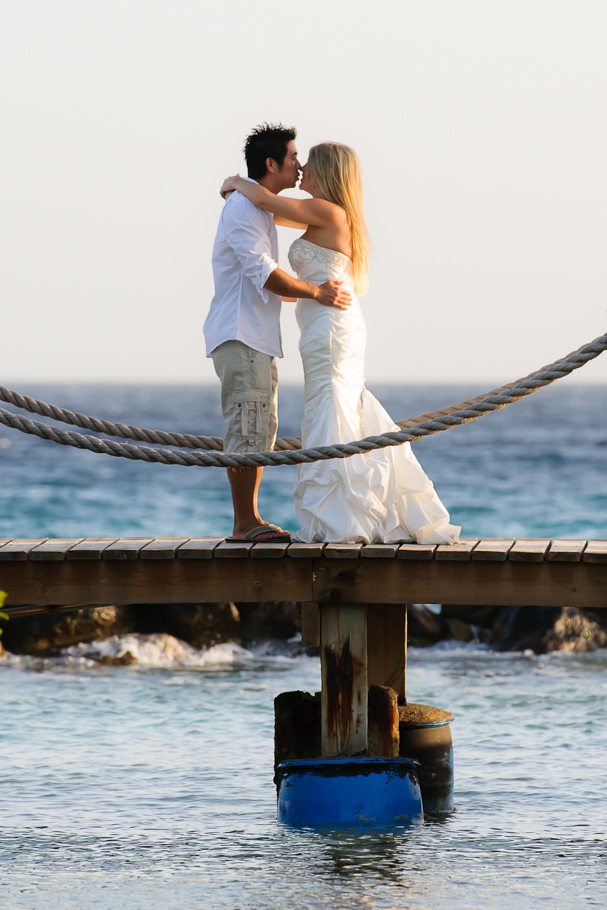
[335, 170]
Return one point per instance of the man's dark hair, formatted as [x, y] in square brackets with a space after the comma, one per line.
[268, 140]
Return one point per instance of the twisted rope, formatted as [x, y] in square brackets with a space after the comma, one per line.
[122, 430]
[215, 443]
[449, 417]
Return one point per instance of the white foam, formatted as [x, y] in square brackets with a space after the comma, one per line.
[159, 650]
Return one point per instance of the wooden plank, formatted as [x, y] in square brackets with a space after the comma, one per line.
[4, 541]
[380, 550]
[227, 550]
[126, 548]
[343, 655]
[494, 549]
[530, 549]
[305, 550]
[54, 549]
[125, 581]
[91, 548]
[596, 551]
[566, 550]
[386, 646]
[547, 584]
[269, 550]
[310, 624]
[416, 551]
[19, 549]
[199, 547]
[460, 551]
[342, 550]
[162, 548]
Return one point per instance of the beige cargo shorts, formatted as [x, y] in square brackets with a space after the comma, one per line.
[249, 397]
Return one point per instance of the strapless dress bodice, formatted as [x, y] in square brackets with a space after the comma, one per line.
[318, 264]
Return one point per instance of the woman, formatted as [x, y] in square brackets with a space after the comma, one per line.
[379, 497]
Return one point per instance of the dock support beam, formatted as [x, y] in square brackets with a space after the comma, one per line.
[343, 654]
[361, 645]
[386, 646]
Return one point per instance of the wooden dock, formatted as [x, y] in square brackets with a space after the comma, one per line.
[492, 571]
[353, 598]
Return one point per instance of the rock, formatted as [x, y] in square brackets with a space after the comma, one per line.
[483, 617]
[460, 631]
[123, 660]
[522, 628]
[543, 629]
[205, 625]
[575, 630]
[424, 627]
[538, 629]
[45, 634]
[200, 625]
[269, 620]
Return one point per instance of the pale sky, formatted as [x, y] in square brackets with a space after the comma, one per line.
[482, 130]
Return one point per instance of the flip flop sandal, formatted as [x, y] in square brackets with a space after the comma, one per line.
[259, 531]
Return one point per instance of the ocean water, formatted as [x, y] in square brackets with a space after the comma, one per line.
[536, 468]
[150, 786]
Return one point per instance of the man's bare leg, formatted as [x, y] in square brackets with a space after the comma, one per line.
[244, 483]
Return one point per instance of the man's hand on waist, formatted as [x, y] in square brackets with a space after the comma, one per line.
[333, 293]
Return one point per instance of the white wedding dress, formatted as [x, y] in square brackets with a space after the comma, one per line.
[380, 497]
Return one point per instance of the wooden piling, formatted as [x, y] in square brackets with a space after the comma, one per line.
[296, 726]
[343, 653]
[386, 646]
[383, 740]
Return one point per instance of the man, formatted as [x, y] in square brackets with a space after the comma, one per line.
[242, 330]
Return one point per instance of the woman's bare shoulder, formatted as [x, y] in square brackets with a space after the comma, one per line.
[331, 210]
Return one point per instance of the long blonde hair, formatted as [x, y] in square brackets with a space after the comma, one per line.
[335, 170]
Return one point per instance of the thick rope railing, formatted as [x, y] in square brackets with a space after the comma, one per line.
[414, 428]
[122, 430]
[215, 443]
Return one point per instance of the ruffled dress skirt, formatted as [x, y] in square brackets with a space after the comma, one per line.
[379, 497]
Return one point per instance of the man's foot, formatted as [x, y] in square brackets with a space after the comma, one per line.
[261, 533]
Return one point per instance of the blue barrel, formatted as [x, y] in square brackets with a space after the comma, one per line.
[348, 791]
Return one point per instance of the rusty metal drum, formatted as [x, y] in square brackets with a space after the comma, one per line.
[425, 736]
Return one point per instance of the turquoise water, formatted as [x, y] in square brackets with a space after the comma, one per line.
[536, 468]
[150, 786]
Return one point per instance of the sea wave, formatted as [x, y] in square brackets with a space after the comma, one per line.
[160, 651]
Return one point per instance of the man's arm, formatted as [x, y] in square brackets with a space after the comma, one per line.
[246, 232]
[249, 239]
[331, 293]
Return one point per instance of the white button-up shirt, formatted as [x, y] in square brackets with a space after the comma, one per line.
[245, 252]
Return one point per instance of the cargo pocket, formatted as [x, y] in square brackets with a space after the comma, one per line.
[252, 409]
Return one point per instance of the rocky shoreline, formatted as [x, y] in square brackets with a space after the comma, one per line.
[539, 629]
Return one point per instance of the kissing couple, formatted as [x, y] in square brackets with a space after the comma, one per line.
[379, 497]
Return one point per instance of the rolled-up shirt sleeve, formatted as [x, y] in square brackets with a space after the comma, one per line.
[247, 234]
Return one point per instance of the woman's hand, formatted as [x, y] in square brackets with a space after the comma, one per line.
[227, 186]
